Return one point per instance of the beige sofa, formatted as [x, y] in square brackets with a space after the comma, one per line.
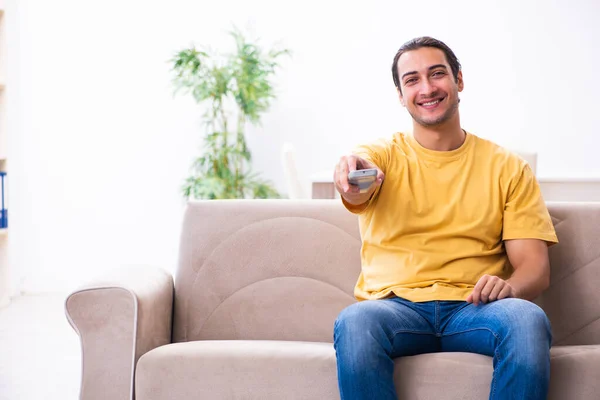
[257, 289]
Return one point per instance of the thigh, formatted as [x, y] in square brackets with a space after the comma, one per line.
[479, 329]
[407, 332]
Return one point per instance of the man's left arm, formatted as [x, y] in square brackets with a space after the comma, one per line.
[531, 276]
[529, 258]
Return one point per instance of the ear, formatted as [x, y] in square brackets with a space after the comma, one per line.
[400, 97]
[460, 82]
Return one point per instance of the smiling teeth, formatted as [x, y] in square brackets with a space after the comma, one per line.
[431, 103]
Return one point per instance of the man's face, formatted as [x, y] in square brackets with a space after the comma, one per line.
[429, 91]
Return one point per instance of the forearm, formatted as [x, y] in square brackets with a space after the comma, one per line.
[357, 199]
[529, 281]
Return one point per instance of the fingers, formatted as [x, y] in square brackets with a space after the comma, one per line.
[378, 180]
[505, 292]
[341, 174]
[352, 162]
[489, 288]
[476, 295]
[364, 164]
[496, 290]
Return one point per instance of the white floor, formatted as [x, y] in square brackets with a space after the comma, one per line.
[39, 351]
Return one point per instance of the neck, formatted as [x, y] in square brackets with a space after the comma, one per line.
[444, 137]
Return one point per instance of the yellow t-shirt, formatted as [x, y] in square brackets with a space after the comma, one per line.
[438, 221]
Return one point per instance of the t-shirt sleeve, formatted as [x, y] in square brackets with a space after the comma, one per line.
[378, 154]
[525, 213]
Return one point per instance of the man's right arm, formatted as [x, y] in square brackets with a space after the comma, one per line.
[351, 193]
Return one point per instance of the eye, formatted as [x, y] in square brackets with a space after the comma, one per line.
[410, 81]
[438, 73]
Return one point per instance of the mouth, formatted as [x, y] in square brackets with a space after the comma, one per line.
[431, 104]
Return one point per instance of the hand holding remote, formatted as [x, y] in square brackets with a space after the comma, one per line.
[352, 192]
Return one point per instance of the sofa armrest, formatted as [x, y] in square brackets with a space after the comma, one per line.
[118, 320]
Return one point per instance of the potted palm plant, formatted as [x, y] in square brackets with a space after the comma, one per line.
[237, 89]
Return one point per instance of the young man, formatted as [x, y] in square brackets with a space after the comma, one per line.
[455, 235]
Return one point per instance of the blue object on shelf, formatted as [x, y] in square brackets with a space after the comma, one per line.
[4, 211]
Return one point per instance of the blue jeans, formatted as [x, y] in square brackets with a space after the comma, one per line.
[368, 335]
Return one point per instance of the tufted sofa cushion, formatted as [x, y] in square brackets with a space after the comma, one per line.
[265, 270]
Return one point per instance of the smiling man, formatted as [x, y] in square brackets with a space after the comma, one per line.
[455, 237]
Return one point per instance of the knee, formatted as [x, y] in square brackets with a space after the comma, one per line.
[360, 336]
[348, 320]
[355, 320]
[526, 322]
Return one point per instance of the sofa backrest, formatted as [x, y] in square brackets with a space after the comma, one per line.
[572, 302]
[264, 269]
[284, 269]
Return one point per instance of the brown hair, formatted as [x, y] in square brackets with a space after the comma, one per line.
[425, 41]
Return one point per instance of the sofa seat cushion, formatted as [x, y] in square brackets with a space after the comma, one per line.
[575, 372]
[238, 369]
[252, 369]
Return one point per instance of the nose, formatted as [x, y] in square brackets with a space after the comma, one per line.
[427, 89]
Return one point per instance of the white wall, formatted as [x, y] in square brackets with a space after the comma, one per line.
[100, 147]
